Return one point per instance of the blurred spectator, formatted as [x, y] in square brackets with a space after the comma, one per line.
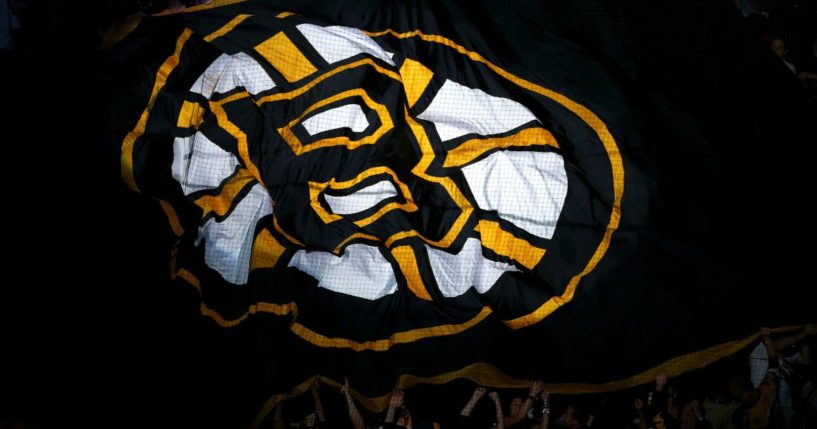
[778, 46]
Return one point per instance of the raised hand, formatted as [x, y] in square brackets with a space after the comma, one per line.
[661, 380]
[345, 388]
[536, 388]
[396, 398]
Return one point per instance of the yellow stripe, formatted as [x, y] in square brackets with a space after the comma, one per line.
[386, 124]
[283, 15]
[281, 231]
[190, 278]
[324, 341]
[220, 204]
[593, 121]
[172, 217]
[260, 307]
[505, 244]
[354, 236]
[316, 188]
[266, 251]
[161, 78]
[190, 115]
[226, 28]
[384, 344]
[300, 91]
[472, 149]
[487, 375]
[407, 261]
[282, 54]
[238, 135]
[415, 79]
[120, 30]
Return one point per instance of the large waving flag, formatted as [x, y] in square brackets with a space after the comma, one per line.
[410, 193]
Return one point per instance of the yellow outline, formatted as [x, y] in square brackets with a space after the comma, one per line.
[474, 148]
[403, 337]
[172, 217]
[354, 236]
[407, 261]
[162, 74]
[119, 30]
[311, 84]
[317, 188]
[506, 244]
[220, 204]
[386, 125]
[320, 340]
[259, 307]
[281, 231]
[226, 28]
[594, 122]
[243, 146]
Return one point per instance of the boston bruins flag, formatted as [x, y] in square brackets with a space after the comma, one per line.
[405, 194]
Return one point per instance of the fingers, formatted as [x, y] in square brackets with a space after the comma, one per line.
[397, 398]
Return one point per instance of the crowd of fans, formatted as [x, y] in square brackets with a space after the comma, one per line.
[772, 387]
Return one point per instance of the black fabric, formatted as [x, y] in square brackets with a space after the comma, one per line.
[713, 136]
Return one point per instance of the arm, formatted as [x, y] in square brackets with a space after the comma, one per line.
[500, 424]
[523, 410]
[658, 400]
[469, 407]
[318, 405]
[545, 396]
[639, 408]
[395, 401]
[354, 414]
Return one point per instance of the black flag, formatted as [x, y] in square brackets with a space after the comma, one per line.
[411, 193]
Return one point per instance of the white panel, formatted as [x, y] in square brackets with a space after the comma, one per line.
[198, 163]
[525, 188]
[758, 364]
[361, 271]
[338, 43]
[228, 244]
[361, 200]
[455, 274]
[346, 116]
[230, 71]
[458, 110]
